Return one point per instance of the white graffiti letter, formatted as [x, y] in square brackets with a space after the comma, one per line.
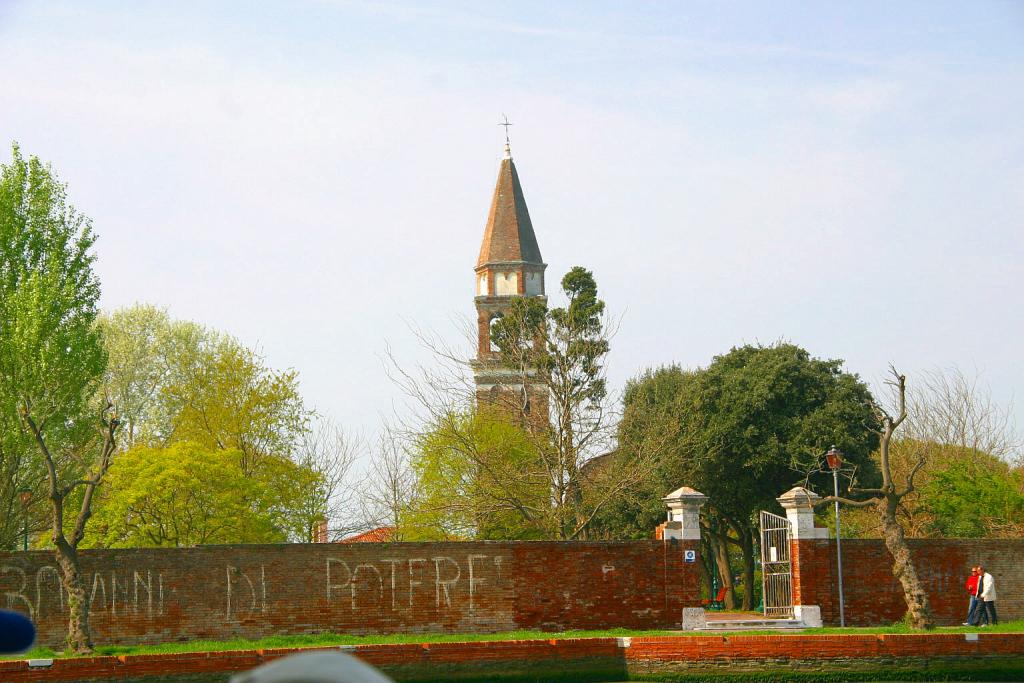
[148, 586]
[113, 594]
[394, 564]
[227, 570]
[13, 596]
[98, 584]
[412, 583]
[444, 584]
[348, 575]
[473, 581]
[43, 571]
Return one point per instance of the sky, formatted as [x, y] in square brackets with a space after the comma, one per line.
[314, 177]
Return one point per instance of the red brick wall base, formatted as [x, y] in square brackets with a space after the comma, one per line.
[596, 658]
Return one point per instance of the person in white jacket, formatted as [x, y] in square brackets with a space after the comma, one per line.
[987, 598]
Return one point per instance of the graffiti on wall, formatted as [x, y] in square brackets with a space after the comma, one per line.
[401, 585]
[42, 592]
[398, 582]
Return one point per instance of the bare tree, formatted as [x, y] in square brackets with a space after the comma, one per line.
[886, 501]
[389, 488]
[952, 408]
[331, 453]
[951, 416]
[87, 470]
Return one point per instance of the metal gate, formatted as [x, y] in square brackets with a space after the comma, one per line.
[776, 570]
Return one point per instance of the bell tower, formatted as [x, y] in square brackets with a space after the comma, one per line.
[510, 265]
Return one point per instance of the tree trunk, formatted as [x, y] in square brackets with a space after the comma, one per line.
[79, 639]
[725, 572]
[706, 567]
[747, 544]
[903, 566]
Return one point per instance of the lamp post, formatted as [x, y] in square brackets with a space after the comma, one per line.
[25, 496]
[835, 461]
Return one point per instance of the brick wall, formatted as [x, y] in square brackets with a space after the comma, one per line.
[155, 595]
[874, 596]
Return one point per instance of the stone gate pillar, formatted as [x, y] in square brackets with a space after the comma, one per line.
[810, 558]
[683, 527]
[683, 514]
[799, 503]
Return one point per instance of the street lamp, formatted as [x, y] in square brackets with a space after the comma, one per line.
[834, 457]
[25, 496]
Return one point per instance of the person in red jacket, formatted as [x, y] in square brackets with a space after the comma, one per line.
[986, 598]
[972, 589]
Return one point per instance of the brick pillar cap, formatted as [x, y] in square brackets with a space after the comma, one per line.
[684, 514]
[798, 497]
[685, 494]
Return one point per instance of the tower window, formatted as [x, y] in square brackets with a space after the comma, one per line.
[506, 284]
[534, 284]
[490, 332]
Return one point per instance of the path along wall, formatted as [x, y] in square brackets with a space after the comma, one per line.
[873, 596]
[167, 594]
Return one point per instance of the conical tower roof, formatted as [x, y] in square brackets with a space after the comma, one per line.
[509, 236]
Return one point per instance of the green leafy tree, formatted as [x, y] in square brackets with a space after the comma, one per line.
[738, 431]
[52, 359]
[225, 396]
[977, 496]
[650, 408]
[478, 476]
[189, 494]
[21, 473]
[182, 495]
[175, 380]
[148, 352]
[296, 494]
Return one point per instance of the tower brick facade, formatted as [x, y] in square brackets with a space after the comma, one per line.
[509, 266]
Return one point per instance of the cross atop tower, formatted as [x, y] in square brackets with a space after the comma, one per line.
[506, 124]
[508, 148]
